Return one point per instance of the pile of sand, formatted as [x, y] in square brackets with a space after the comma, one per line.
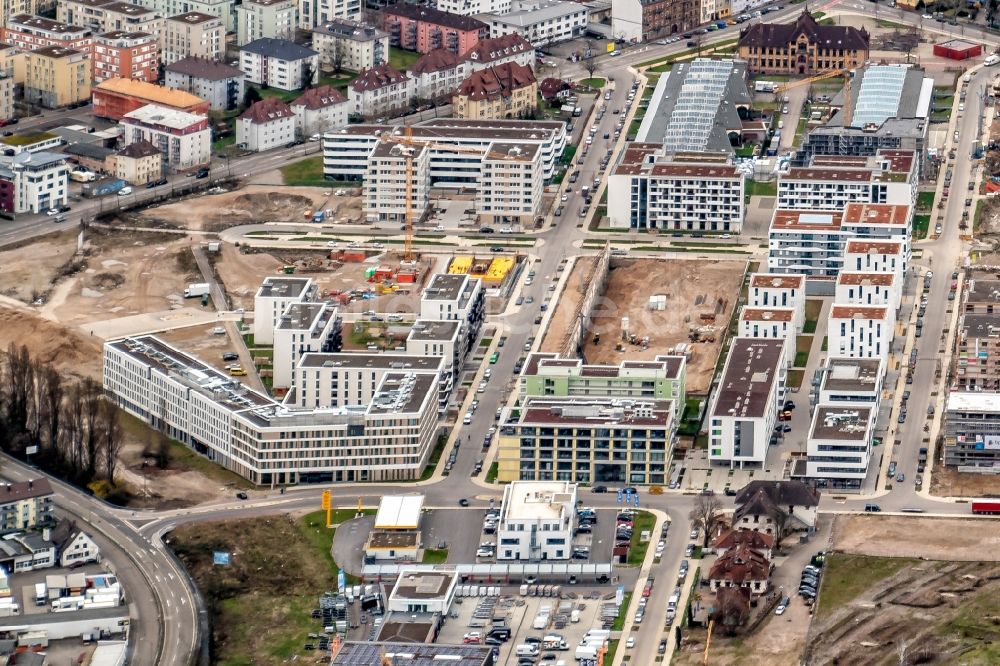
[69, 350]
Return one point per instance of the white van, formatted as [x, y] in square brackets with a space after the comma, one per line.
[992, 60]
[125, 191]
[526, 650]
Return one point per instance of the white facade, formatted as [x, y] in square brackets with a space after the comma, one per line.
[450, 297]
[536, 521]
[649, 190]
[351, 45]
[313, 119]
[880, 222]
[744, 407]
[868, 289]
[385, 188]
[840, 441]
[779, 290]
[388, 97]
[875, 256]
[860, 331]
[184, 139]
[272, 300]
[770, 324]
[325, 381]
[511, 185]
[221, 8]
[541, 22]
[852, 380]
[40, 179]
[303, 328]
[260, 135]
[804, 242]
[832, 189]
[79, 548]
[497, 51]
[626, 20]
[317, 12]
[439, 338]
[474, 7]
[265, 18]
[278, 72]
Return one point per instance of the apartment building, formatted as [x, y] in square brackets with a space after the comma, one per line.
[346, 152]
[779, 290]
[510, 191]
[849, 381]
[193, 35]
[217, 83]
[831, 183]
[272, 300]
[437, 74]
[56, 77]
[642, 20]
[320, 110]
[223, 9]
[303, 328]
[389, 438]
[805, 242]
[379, 91]
[116, 97]
[860, 331]
[977, 353]
[278, 63]
[260, 19]
[536, 521]
[185, 139]
[802, 48]
[972, 431]
[352, 45]
[474, 7]
[456, 298]
[26, 505]
[500, 50]
[26, 33]
[505, 91]
[541, 22]
[770, 323]
[313, 13]
[139, 163]
[875, 256]
[446, 339]
[652, 189]
[744, 407]
[861, 288]
[109, 15]
[982, 292]
[840, 443]
[129, 55]
[547, 374]
[387, 196]
[422, 29]
[33, 182]
[266, 124]
[6, 97]
[880, 222]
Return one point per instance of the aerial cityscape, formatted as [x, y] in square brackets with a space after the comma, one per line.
[505, 332]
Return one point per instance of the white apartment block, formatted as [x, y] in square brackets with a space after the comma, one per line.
[303, 328]
[860, 331]
[193, 34]
[223, 9]
[511, 185]
[536, 521]
[854, 288]
[458, 297]
[40, 180]
[272, 300]
[278, 63]
[874, 256]
[805, 242]
[840, 442]
[651, 189]
[185, 139]
[446, 339]
[474, 7]
[351, 45]
[386, 193]
[880, 222]
[347, 151]
[851, 380]
[541, 22]
[256, 19]
[779, 290]
[317, 12]
[109, 15]
[744, 407]
[389, 438]
[437, 74]
[772, 323]
[380, 90]
[832, 182]
[268, 123]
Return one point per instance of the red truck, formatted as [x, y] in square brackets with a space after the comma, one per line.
[986, 508]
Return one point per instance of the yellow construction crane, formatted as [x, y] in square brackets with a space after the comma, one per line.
[829, 74]
[708, 640]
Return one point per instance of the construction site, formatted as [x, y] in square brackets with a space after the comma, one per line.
[641, 308]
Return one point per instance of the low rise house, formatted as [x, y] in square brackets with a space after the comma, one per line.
[776, 507]
[139, 163]
[279, 63]
[74, 545]
[396, 535]
[381, 90]
[26, 551]
[320, 110]
[505, 91]
[219, 84]
[351, 45]
[500, 50]
[757, 541]
[268, 123]
[741, 567]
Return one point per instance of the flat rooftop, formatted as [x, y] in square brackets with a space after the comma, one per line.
[966, 401]
[399, 512]
[866, 279]
[284, 287]
[841, 422]
[804, 220]
[881, 215]
[814, 174]
[858, 312]
[873, 247]
[482, 133]
[852, 374]
[542, 363]
[767, 314]
[536, 500]
[301, 316]
[979, 326]
[358, 653]
[379, 540]
[777, 281]
[983, 290]
[428, 329]
[356, 360]
[751, 371]
[589, 412]
[403, 392]
[445, 287]
[423, 584]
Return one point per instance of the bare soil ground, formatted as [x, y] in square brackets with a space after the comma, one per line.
[28, 271]
[778, 642]
[947, 482]
[929, 538]
[253, 204]
[68, 350]
[692, 288]
[563, 316]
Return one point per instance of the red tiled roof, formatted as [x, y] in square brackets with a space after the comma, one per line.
[501, 80]
[319, 98]
[435, 61]
[267, 110]
[740, 565]
[750, 538]
[778, 35]
[497, 48]
[377, 77]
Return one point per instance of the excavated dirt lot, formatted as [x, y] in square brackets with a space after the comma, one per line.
[28, 269]
[68, 349]
[930, 538]
[693, 288]
[253, 204]
[946, 482]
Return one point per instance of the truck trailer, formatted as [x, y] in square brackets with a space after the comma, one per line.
[986, 508]
[196, 289]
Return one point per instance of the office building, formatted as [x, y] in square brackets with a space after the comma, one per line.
[56, 77]
[744, 408]
[840, 443]
[972, 431]
[351, 45]
[536, 521]
[272, 300]
[217, 83]
[266, 19]
[278, 63]
[860, 331]
[184, 139]
[650, 188]
[802, 48]
[130, 55]
[588, 439]
[193, 35]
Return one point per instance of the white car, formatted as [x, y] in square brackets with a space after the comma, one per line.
[506, 230]
[468, 419]
[332, 244]
[439, 227]
[377, 245]
[52, 211]
[565, 197]
[488, 373]
[630, 643]
[927, 16]
[484, 552]
[694, 533]
[780, 609]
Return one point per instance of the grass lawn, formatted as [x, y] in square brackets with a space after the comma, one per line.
[977, 217]
[307, 172]
[823, 346]
[745, 150]
[847, 576]
[644, 521]
[794, 378]
[569, 152]
[800, 129]
[813, 308]
[283, 95]
[925, 200]
[402, 60]
[223, 143]
[492, 472]
[434, 556]
[665, 67]
[435, 457]
[759, 189]
[921, 224]
[801, 358]
[619, 623]
[594, 82]
[803, 344]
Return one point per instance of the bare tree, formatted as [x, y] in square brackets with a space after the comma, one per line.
[731, 610]
[51, 406]
[706, 515]
[110, 438]
[337, 57]
[782, 521]
[90, 406]
[71, 435]
[18, 379]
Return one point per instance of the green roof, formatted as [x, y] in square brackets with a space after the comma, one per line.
[27, 139]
